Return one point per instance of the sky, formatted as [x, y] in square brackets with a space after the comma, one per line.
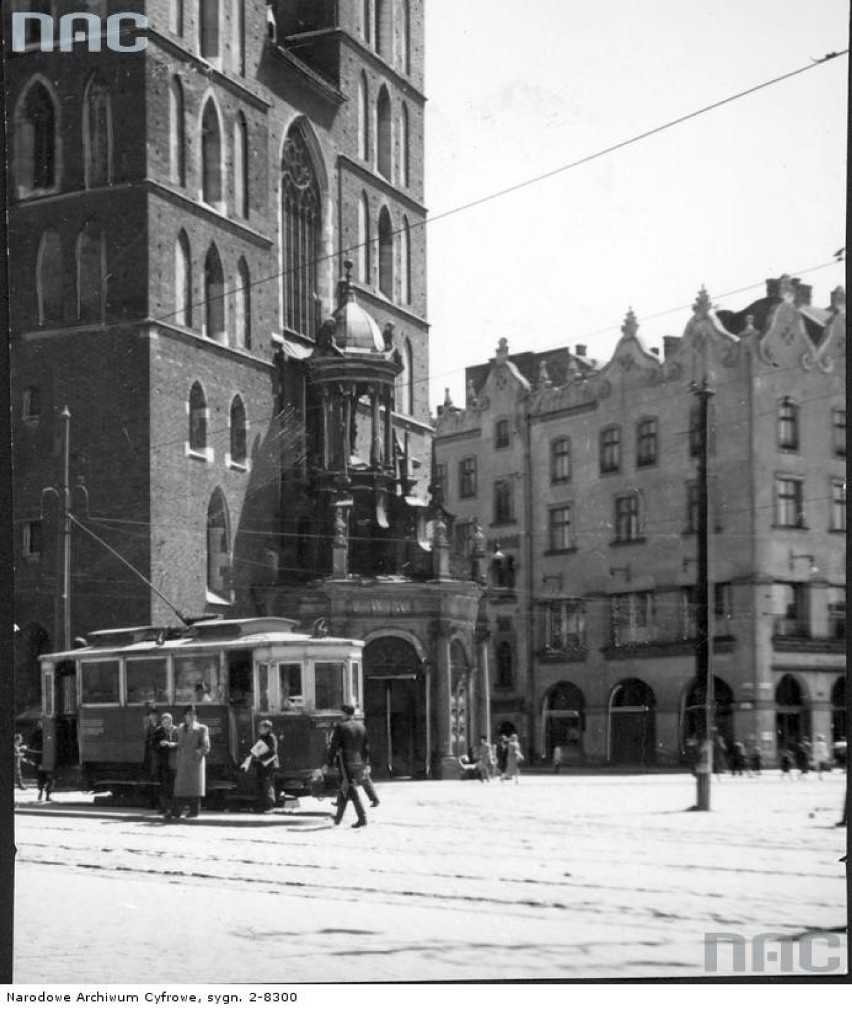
[751, 190]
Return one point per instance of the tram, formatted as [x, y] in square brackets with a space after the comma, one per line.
[95, 700]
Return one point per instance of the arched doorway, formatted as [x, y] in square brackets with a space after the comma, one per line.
[839, 715]
[563, 723]
[791, 714]
[632, 735]
[692, 722]
[460, 700]
[395, 708]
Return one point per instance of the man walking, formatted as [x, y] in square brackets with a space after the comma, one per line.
[349, 751]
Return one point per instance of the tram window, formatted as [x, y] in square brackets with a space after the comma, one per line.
[100, 681]
[356, 677]
[328, 679]
[263, 687]
[239, 678]
[66, 688]
[198, 679]
[290, 683]
[146, 681]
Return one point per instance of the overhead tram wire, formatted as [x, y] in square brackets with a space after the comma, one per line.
[534, 180]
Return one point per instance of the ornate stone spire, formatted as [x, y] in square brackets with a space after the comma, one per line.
[544, 380]
[448, 401]
[630, 326]
[503, 349]
[470, 394]
[702, 304]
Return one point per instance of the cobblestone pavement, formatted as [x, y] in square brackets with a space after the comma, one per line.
[559, 877]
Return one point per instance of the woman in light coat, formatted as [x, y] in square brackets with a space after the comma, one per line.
[193, 745]
[514, 758]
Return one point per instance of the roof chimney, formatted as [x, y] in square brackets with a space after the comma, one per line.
[670, 345]
[581, 350]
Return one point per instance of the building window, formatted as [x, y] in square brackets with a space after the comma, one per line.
[214, 296]
[383, 34]
[405, 262]
[788, 503]
[218, 549]
[462, 538]
[363, 119]
[646, 442]
[405, 37]
[793, 617]
[467, 477]
[626, 518]
[241, 167]
[384, 139]
[238, 432]
[838, 430]
[565, 625]
[177, 133]
[691, 507]
[242, 306]
[176, 16]
[502, 570]
[91, 275]
[366, 21]
[50, 279]
[504, 510]
[502, 434]
[385, 254]
[36, 141]
[211, 156]
[560, 460]
[838, 506]
[788, 426]
[505, 666]
[197, 420]
[97, 133]
[632, 618]
[32, 539]
[440, 481]
[561, 528]
[610, 450]
[301, 226]
[209, 30]
[31, 403]
[404, 148]
[238, 22]
[363, 239]
[183, 282]
[723, 601]
[837, 613]
[402, 383]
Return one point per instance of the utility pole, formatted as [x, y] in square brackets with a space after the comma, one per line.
[62, 606]
[703, 617]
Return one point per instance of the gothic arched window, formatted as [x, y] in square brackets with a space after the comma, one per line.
[91, 274]
[402, 390]
[50, 279]
[301, 224]
[210, 30]
[183, 282]
[383, 28]
[242, 306]
[363, 119]
[197, 419]
[177, 133]
[364, 240]
[385, 254]
[384, 153]
[404, 37]
[404, 151]
[211, 155]
[214, 296]
[238, 432]
[97, 134]
[218, 547]
[36, 140]
[405, 262]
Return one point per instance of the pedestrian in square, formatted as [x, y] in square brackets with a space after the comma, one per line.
[44, 774]
[738, 758]
[802, 756]
[164, 746]
[20, 759]
[821, 759]
[484, 760]
[264, 757]
[502, 755]
[755, 759]
[193, 745]
[785, 761]
[349, 751]
[514, 759]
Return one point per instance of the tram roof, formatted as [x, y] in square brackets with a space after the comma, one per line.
[249, 632]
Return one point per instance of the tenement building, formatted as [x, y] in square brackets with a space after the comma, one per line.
[220, 342]
[582, 479]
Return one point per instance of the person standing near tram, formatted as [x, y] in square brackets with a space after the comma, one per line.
[349, 751]
[193, 745]
[164, 745]
[264, 756]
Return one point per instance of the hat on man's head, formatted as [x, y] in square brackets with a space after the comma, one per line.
[347, 709]
[265, 722]
[190, 709]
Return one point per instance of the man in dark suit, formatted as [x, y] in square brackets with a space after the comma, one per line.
[349, 752]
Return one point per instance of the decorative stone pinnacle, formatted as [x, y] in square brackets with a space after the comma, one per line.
[630, 326]
[448, 402]
[702, 304]
[502, 349]
[786, 288]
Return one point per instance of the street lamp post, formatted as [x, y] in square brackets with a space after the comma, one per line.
[703, 621]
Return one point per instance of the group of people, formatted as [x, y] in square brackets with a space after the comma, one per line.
[804, 756]
[502, 760]
[176, 757]
[23, 755]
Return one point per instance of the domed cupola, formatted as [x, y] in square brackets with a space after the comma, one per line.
[356, 331]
